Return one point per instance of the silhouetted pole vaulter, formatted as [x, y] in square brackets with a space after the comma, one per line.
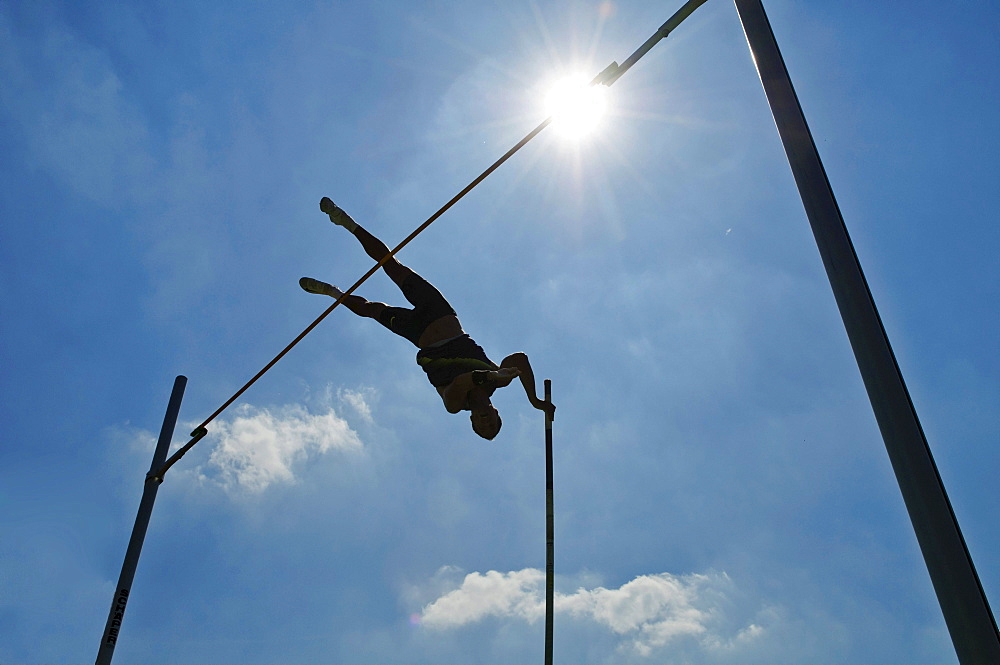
[609, 75]
[550, 530]
[160, 467]
[963, 601]
[456, 366]
[124, 587]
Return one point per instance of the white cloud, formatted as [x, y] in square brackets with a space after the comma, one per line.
[654, 609]
[648, 612]
[515, 594]
[260, 447]
[358, 401]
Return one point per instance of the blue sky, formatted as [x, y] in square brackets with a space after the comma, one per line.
[722, 491]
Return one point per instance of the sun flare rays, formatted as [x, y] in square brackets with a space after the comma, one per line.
[576, 107]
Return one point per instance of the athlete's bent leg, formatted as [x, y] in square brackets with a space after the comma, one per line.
[356, 304]
[363, 307]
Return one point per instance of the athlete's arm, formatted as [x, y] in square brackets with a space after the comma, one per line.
[519, 361]
[456, 393]
[463, 391]
[466, 388]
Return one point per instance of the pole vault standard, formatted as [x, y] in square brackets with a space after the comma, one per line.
[550, 530]
[960, 593]
[117, 612]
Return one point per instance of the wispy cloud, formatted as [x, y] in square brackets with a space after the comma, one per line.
[649, 612]
[80, 125]
[259, 447]
[358, 401]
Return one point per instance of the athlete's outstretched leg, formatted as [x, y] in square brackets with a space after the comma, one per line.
[356, 304]
[374, 247]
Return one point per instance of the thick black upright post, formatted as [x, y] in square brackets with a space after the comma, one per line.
[550, 529]
[117, 613]
[964, 604]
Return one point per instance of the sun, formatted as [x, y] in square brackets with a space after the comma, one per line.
[576, 108]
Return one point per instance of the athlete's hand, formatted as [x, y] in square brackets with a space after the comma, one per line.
[505, 375]
[548, 407]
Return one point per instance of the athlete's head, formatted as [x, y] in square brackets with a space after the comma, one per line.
[486, 421]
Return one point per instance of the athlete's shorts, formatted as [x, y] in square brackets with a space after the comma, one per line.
[446, 361]
[428, 306]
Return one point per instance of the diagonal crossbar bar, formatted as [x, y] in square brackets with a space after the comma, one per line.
[607, 77]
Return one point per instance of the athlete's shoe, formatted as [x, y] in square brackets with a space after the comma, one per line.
[337, 214]
[322, 288]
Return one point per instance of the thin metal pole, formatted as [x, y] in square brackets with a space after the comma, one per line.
[117, 612]
[550, 529]
[963, 602]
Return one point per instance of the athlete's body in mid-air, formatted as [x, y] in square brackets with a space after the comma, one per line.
[455, 365]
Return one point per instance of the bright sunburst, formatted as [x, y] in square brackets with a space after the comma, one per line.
[575, 106]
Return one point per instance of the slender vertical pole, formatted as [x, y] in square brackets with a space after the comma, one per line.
[550, 529]
[115, 616]
[963, 602]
